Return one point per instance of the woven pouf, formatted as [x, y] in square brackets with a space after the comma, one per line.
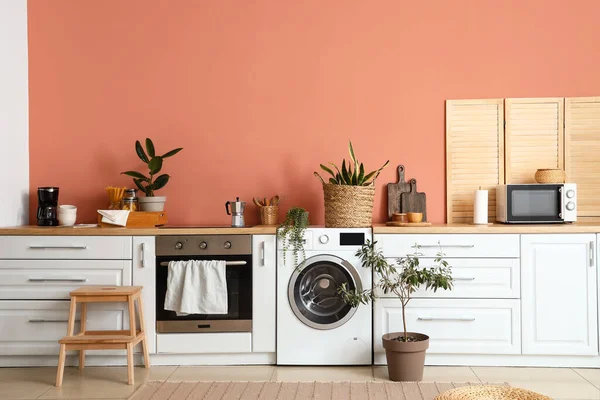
[487, 392]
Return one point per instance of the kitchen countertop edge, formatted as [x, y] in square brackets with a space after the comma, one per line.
[585, 227]
[32, 230]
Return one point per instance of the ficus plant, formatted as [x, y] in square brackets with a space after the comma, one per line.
[148, 184]
[351, 173]
[402, 278]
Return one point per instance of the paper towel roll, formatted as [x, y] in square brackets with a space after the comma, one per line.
[480, 212]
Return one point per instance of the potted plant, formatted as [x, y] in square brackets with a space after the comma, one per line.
[149, 184]
[405, 351]
[349, 193]
[291, 232]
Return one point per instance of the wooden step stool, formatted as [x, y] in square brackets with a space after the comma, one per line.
[104, 340]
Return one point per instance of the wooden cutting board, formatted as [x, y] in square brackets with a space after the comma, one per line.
[395, 190]
[413, 201]
[405, 224]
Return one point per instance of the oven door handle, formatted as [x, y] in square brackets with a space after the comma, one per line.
[228, 263]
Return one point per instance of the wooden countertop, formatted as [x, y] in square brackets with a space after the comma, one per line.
[99, 231]
[493, 228]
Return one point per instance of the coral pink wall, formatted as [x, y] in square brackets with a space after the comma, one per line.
[260, 92]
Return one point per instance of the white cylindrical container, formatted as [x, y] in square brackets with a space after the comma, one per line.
[480, 211]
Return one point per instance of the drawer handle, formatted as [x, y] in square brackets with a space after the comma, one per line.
[58, 280]
[58, 247]
[463, 279]
[464, 319]
[41, 320]
[446, 246]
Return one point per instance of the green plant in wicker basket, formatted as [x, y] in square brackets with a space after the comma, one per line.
[352, 173]
[401, 279]
[149, 184]
[291, 232]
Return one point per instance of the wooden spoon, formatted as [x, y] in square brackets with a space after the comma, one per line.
[275, 200]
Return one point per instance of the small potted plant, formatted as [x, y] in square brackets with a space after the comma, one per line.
[291, 233]
[405, 351]
[349, 193]
[149, 184]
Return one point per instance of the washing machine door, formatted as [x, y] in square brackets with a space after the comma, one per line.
[312, 291]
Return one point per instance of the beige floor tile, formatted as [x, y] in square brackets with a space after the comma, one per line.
[516, 374]
[105, 382]
[590, 374]
[563, 390]
[236, 373]
[435, 374]
[322, 374]
[27, 383]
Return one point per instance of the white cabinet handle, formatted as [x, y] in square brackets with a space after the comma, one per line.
[57, 279]
[463, 279]
[591, 254]
[464, 319]
[58, 247]
[41, 320]
[143, 255]
[446, 246]
[262, 253]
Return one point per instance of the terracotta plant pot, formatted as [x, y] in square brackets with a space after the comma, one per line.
[405, 360]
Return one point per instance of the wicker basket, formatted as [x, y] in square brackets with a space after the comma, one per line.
[268, 215]
[348, 206]
[490, 393]
[550, 176]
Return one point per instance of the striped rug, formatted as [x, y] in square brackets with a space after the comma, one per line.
[293, 390]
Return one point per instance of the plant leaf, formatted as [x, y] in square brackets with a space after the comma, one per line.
[155, 165]
[361, 174]
[172, 152]
[137, 175]
[150, 147]
[140, 152]
[345, 175]
[324, 168]
[160, 182]
[351, 149]
[319, 176]
[333, 181]
[367, 177]
[138, 183]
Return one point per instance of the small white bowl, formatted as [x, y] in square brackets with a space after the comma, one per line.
[67, 219]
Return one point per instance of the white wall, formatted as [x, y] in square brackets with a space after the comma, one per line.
[14, 114]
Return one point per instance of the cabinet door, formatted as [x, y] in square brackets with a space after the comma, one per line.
[263, 293]
[559, 300]
[144, 274]
[582, 146]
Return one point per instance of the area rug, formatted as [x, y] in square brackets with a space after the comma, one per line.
[293, 390]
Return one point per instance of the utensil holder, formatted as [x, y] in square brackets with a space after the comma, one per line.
[268, 215]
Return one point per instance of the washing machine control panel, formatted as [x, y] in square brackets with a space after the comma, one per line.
[331, 239]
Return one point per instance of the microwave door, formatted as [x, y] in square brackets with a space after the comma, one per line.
[534, 203]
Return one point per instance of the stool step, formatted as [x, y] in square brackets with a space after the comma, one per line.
[97, 339]
[106, 290]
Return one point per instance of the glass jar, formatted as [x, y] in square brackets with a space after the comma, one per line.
[115, 205]
[130, 204]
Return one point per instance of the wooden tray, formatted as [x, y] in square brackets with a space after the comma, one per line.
[397, 223]
[140, 219]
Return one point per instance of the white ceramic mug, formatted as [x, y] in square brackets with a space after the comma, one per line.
[67, 215]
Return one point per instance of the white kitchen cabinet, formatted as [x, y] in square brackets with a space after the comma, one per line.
[144, 274]
[559, 294]
[263, 293]
[66, 247]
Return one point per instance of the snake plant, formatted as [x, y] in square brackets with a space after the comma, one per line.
[148, 184]
[352, 173]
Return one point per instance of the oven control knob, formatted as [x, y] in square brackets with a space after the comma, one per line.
[203, 245]
[178, 246]
[570, 193]
[324, 239]
[570, 206]
[227, 244]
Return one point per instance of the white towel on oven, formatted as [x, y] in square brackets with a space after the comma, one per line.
[197, 287]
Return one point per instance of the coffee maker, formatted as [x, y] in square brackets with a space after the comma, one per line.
[237, 212]
[47, 214]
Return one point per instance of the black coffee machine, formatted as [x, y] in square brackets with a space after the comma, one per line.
[47, 211]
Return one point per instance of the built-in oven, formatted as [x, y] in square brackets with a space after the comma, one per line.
[536, 203]
[236, 251]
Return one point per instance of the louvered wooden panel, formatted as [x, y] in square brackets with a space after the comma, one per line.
[474, 155]
[534, 137]
[582, 152]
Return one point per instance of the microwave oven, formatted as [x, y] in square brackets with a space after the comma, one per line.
[536, 203]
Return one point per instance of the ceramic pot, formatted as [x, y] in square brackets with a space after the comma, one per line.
[405, 360]
[155, 203]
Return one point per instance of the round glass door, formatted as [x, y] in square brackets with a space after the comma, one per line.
[312, 291]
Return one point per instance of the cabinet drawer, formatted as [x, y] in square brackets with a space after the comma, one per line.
[66, 247]
[453, 245]
[34, 327]
[454, 326]
[194, 343]
[483, 278]
[54, 279]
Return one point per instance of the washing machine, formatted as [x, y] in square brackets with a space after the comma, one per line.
[314, 325]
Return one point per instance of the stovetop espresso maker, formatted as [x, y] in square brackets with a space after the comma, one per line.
[236, 210]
